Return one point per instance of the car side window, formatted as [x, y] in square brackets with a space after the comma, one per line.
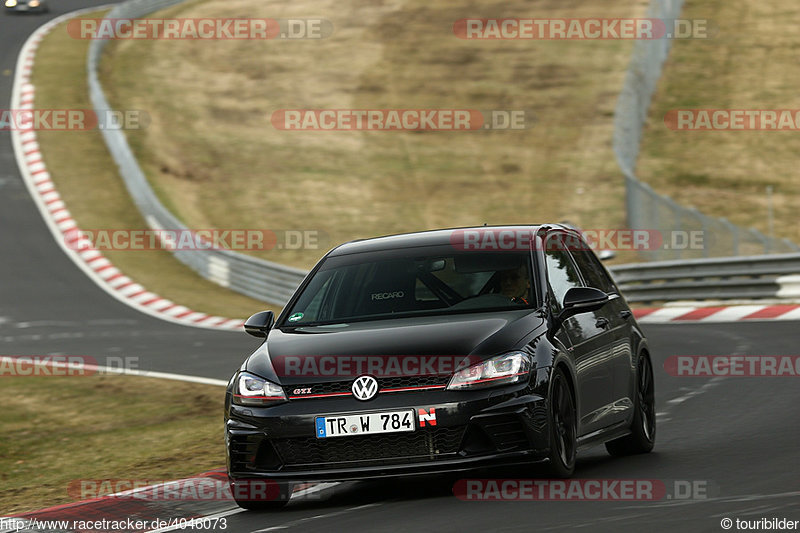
[592, 271]
[561, 273]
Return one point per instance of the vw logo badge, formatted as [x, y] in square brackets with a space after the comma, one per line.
[365, 387]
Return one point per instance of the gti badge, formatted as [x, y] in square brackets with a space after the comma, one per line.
[365, 387]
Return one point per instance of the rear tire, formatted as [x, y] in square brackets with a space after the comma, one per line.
[643, 428]
[563, 427]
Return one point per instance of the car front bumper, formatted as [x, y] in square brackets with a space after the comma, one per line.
[474, 429]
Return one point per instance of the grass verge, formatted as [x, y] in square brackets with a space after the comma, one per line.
[146, 429]
[87, 179]
[214, 158]
[749, 64]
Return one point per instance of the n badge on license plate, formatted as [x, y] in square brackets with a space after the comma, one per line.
[365, 424]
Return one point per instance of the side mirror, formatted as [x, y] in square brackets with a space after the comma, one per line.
[260, 323]
[582, 300]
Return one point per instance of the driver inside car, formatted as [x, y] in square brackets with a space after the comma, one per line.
[515, 284]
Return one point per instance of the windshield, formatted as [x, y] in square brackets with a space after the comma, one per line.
[407, 282]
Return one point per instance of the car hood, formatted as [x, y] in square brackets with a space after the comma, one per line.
[471, 337]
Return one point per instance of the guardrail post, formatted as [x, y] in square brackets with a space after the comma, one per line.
[704, 229]
[734, 234]
[678, 213]
[760, 237]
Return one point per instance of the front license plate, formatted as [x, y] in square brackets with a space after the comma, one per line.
[365, 424]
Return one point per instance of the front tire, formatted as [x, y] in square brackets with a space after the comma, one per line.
[563, 426]
[643, 428]
[275, 500]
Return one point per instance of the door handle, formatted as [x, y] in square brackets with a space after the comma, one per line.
[625, 314]
[601, 323]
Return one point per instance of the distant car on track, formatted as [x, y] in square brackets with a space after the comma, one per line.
[440, 351]
[26, 6]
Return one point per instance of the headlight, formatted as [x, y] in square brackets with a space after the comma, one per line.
[11, 3]
[253, 390]
[33, 3]
[501, 370]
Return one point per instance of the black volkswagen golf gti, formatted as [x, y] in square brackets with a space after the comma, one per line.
[440, 351]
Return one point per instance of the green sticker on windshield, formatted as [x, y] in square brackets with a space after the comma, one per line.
[295, 317]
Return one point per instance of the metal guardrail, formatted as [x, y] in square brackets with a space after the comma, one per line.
[764, 276]
[750, 277]
[257, 278]
[647, 209]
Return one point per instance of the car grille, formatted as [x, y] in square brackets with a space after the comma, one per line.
[384, 384]
[421, 445]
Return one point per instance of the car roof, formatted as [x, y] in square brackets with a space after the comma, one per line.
[436, 237]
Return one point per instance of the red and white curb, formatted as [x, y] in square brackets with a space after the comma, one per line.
[716, 313]
[60, 221]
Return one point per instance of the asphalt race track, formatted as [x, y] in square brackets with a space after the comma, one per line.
[47, 305]
[736, 437]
